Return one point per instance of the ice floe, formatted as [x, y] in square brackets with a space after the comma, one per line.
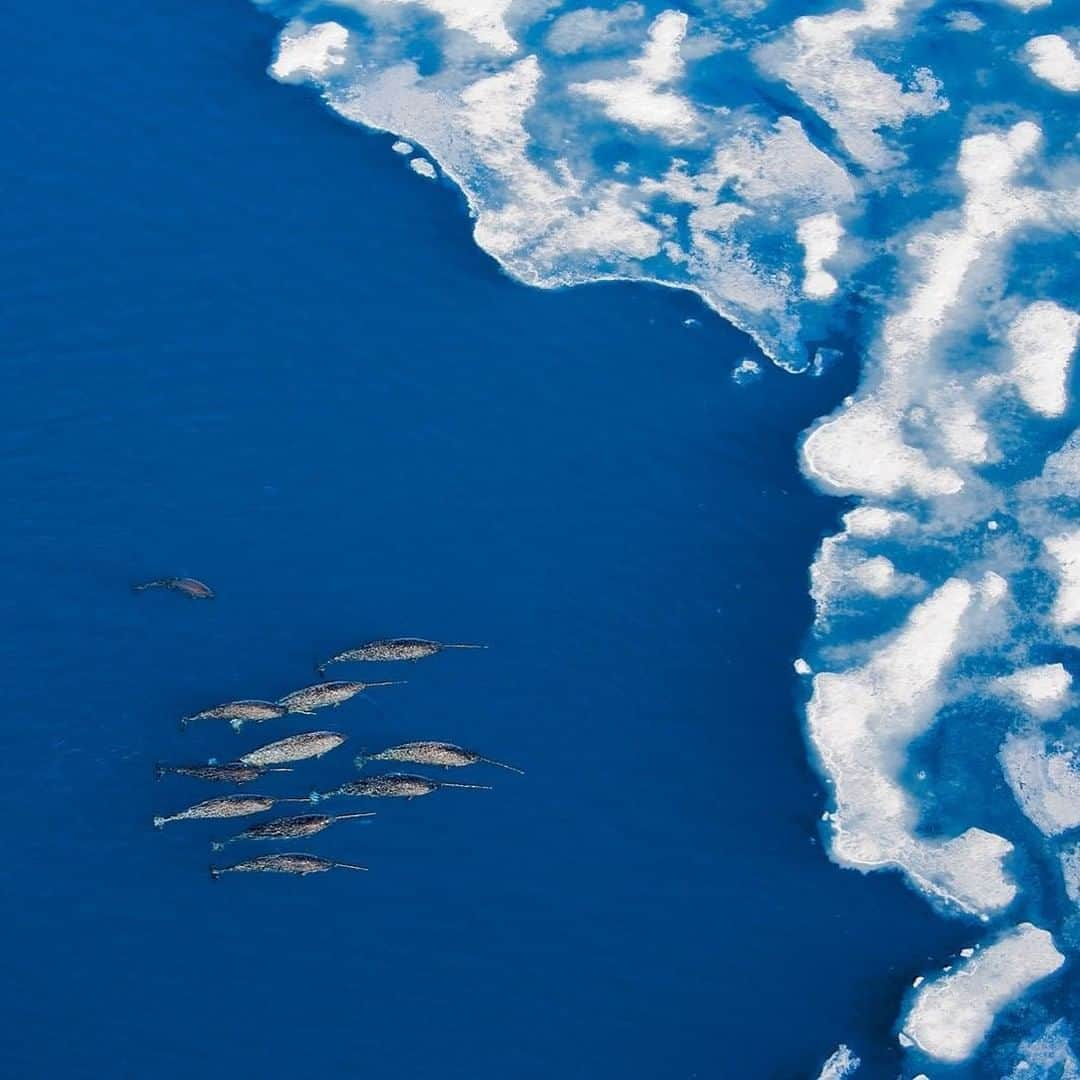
[842, 1063]
[1042, 689]
[484, 20]
[818, 59]
[1043, 339]
[820, 236]
[423, 167]
[639, 99]
[951, 1015]
[1047, 1056]
[861, 721]
[304, 50]
[1054, 60]
[1045, 778]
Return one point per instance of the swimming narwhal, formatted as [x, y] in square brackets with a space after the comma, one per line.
[282, 864]
[320, 695]
[232, 772]
[432, 753]
[392, 649]
[289, 828]
[239, 713]
[196, 590]
[392, 786]
[311, 744]
[227, 806]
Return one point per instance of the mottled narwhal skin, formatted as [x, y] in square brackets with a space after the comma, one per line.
[289, 863]
[195, 590]
[232, 772]
[325, 694]
[389, 650]
[289, 828]
[311, 744]
[433, 753]
[239, 713]
[227, 806]
[392, 786]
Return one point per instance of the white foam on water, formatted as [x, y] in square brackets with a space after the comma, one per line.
[305, 50]
[817, 58]
[842, 1062]
[861, 722]
[820, 236]
[1043, 339]
[951, 1015]
[1042, 689]
[423, 167]
[1055, 61]
[1045, 779]
[638, 99]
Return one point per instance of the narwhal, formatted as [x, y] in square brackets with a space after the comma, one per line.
[311, 744]
[320, 695]
[289, 828]
[232, 772]
[282, 864]
[392, 786]
[239, 713]
[196, 590]
[393, 649]
[227, 806]
[432, 753]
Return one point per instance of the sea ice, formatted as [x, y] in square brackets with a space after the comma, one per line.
[1042, 689]
[1053, 59]
[423, 167]
[1043, 339]
[1045, 780]
[842, 1063]
[951, 1015]
[820, 236]
[305, 50]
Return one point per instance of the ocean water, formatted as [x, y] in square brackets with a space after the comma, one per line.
[243, 341]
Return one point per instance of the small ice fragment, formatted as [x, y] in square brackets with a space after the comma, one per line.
[802, 667]
[992, 525]
[842, 1063]
[965, 953]
[746, 370]
[967, 22]
[423, 167]
[918, 981]
[402, 147]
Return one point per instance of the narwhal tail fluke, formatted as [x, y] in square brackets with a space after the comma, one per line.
[349, 866]
[160, 770]
[318, 796]
[184, 721]
[159, 822]
[360, 761]
[215, 873]
[471, 787]
[218, 845]
[502, 765]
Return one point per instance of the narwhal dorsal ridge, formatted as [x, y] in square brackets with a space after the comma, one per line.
[321, 695]
[285, 863]
[393, 650]
[448, 755]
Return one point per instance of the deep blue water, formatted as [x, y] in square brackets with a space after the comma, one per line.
[241, 341]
